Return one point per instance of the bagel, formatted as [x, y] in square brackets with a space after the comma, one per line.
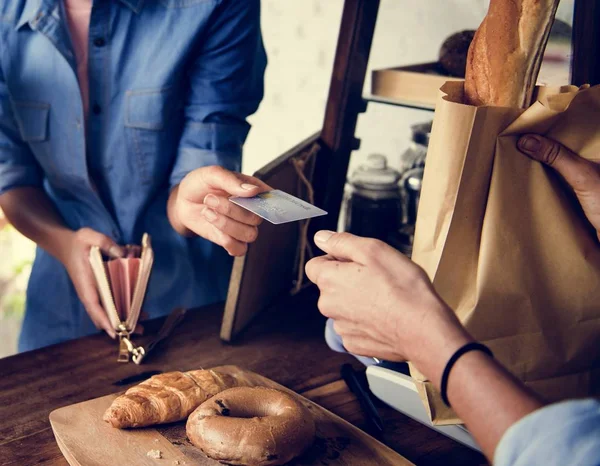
[255, 426]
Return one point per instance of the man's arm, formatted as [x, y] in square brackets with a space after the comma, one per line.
[486, 397]
[384, 305]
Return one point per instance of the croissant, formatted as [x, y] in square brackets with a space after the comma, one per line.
[164, 398]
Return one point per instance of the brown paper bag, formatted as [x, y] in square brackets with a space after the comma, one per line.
[506, 243]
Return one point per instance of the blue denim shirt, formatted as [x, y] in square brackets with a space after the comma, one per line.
[566, 433]
[171, 84]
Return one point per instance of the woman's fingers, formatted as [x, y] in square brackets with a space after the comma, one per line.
[197, 184]
[105, 243]
[237, 230]
[231, 245]
[198, 222]
[203, 207]
[224, 206]
[88, 294]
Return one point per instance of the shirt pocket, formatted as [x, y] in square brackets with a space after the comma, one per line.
[149, 120]
[32, 120]
[187, 3]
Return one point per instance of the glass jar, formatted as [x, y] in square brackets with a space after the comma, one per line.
[373, 201]
[411, 185]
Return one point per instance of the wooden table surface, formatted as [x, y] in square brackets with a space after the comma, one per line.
[285, 344]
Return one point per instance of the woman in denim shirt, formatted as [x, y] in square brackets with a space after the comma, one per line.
[121, 117]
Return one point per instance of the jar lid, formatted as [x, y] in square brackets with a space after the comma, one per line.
[413, 179]
[375, 174]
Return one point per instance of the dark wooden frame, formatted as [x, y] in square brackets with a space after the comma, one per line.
[585, 62]
[267, 270]
[344, 104]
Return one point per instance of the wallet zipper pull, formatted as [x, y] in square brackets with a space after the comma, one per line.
[127, 349]
[138, 355]
[124, 344]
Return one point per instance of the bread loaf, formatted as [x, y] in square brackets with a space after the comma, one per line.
[506, 53]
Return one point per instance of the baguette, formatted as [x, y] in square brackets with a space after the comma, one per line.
[505, 56]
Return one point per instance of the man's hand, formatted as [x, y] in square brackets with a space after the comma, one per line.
[581, 174]
[75, 258]
[382, 304]
[200, 205]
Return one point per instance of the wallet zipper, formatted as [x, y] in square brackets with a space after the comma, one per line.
[139, 291]
[104, 286]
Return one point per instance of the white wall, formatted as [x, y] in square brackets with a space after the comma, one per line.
[301, 36]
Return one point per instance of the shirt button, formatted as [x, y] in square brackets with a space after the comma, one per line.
[99, 42]
[97, 109]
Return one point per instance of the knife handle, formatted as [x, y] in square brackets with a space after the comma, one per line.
[167, 328]
[362, 394]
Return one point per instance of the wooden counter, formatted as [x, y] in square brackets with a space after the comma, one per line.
[286, 346]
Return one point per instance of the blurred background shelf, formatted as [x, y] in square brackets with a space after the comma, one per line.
[399, 102]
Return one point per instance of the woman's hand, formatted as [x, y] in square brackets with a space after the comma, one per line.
[200, 205]
[581, 174]
[382, 304]
[74, 254]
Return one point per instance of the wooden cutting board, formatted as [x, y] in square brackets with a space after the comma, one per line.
[86, 440]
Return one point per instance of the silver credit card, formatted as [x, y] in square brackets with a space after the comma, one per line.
[278, 207]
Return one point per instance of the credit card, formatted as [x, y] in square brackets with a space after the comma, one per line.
[278, 207]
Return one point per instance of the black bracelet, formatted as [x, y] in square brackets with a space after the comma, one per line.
[473, 346]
